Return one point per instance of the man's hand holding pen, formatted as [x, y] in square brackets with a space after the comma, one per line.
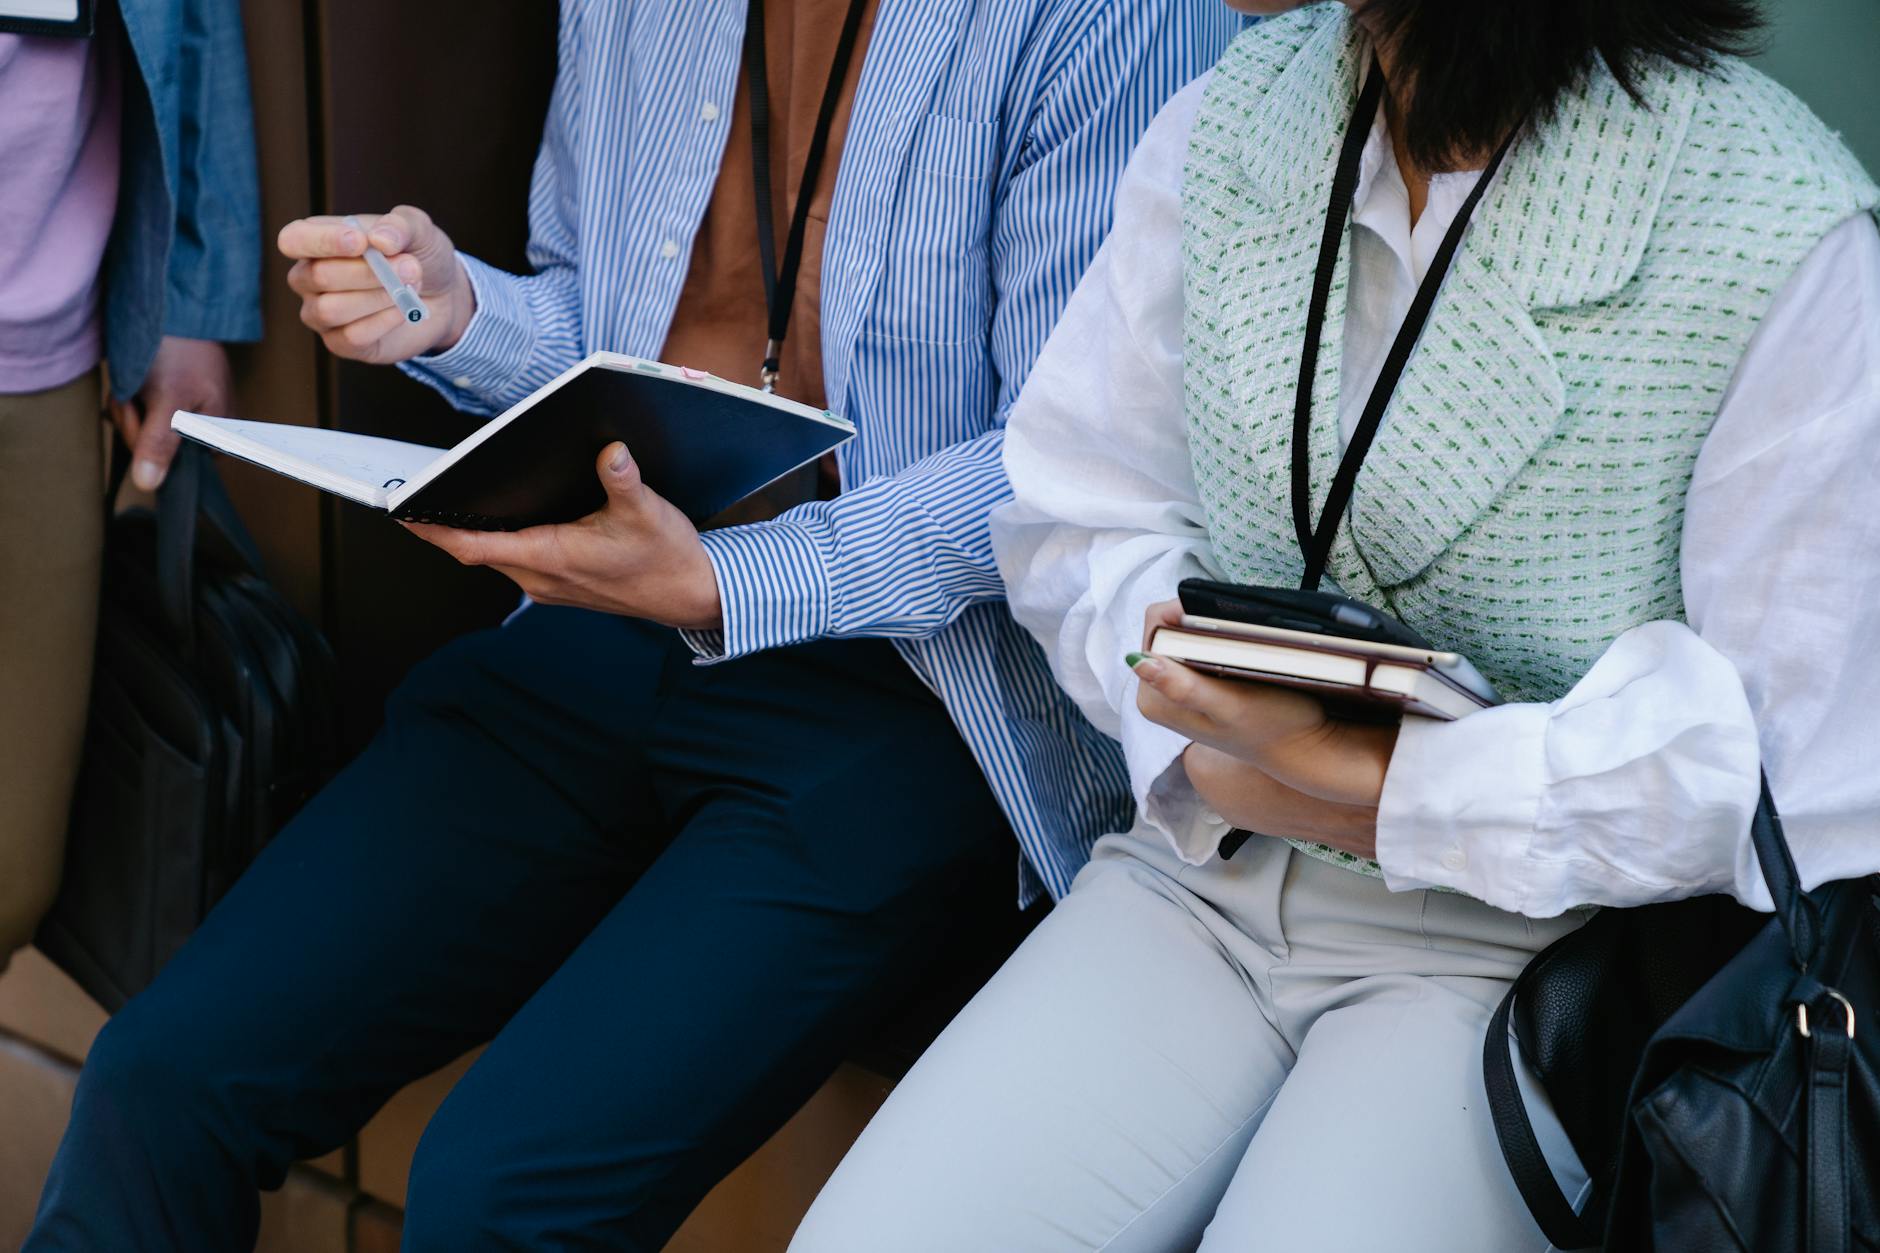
[346, 304]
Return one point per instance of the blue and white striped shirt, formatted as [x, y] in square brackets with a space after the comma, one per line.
[975, 185]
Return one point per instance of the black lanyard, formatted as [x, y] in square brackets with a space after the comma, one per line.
[1316, 543]
[780, 285]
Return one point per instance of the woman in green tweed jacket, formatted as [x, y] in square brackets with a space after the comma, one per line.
[1627, 471]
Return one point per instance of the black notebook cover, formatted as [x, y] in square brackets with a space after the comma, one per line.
[702, 449]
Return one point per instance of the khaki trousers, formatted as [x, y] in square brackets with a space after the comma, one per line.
[51, 540]
[1266, 1055]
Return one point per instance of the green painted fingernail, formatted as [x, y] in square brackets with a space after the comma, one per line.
[1134, 660]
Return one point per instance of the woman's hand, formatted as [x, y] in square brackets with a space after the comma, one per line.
[638, 556]
[1247, 797]
[1283, 733]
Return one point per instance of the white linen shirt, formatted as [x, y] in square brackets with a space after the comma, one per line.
[1636, 786]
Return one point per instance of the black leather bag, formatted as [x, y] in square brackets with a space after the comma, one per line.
[1706, 1063]
[213, 717]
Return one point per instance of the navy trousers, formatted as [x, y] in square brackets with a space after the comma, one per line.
[667, 896]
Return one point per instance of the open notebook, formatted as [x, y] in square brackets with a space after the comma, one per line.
[701, 442]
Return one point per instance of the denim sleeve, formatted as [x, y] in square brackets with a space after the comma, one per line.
[213, 285]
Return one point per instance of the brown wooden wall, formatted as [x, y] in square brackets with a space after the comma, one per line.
[359, 107]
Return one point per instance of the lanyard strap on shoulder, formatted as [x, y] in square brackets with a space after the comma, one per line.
[1316, 542]
[780, 283]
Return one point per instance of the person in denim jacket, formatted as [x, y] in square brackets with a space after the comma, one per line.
[129, 254]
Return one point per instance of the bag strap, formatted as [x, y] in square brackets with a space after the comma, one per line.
[1827, 1222]
[218, 507]
[194, 490]
[1800, 916]
[1550, 1207]
[1825, 1218]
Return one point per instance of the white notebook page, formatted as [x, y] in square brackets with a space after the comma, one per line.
[364, 468]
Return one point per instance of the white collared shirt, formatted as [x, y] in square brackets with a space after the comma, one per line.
[1637, 785]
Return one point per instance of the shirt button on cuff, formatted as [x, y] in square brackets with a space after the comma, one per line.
[462, 380]
[669, 250]
[1455, 860]
[708, 112]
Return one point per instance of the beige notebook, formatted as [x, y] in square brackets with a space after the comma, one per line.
[1357, 678]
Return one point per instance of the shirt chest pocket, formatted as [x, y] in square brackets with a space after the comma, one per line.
[936, 282]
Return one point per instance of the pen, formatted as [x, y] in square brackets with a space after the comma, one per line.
[400, 291]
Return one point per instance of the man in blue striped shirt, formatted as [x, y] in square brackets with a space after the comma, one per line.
[669, 894]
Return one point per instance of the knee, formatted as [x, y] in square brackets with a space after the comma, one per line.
[441, 682]
[142, 1076]
[483, 1179]
[131, 1055]
[858, 1211]
[456, 1200]
[832, 1227]
[445, 1212]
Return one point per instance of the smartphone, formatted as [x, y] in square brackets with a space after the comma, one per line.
[1289, 609]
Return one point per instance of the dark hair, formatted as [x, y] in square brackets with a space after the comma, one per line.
[1476, 68]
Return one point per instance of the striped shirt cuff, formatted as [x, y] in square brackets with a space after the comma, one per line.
[774, 586]
[478, 371]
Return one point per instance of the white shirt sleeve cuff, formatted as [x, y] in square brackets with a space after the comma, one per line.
[1165, 799]
[1425, 838]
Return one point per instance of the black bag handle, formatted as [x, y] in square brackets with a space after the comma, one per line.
[1828, 1053]
[1533, 1177]
[194, 491]
[1800, 915]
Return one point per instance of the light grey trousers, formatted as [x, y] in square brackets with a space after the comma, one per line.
[1269, 1053]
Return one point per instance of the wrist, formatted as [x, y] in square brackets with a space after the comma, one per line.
[707, 611]
[1341, 762]
[460, 305]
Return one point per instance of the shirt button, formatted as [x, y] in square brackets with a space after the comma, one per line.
[669, 249]
[1455, 859]
[1212, 819]
[462, 380]
[708, 112]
